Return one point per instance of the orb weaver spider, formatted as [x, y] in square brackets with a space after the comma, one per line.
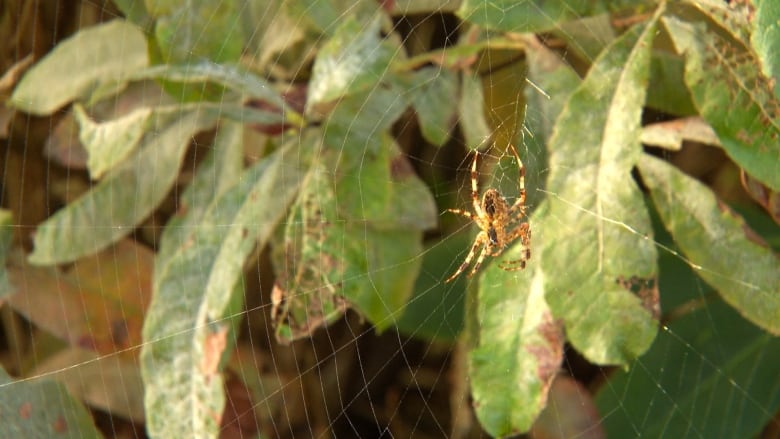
[499, 223]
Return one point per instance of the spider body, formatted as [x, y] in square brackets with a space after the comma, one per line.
[499, 223]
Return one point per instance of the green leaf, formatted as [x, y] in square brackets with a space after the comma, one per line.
[520, 345]
[604, 286]
[136, 12]
[745, 274]
[537, 15]
[384, 191]
[220, 170]
[324, 16]
[730, 93]
[109, 143]
[114, 384]
[351, 239]
[765, 38]
[471, 113]
[667, 91]
[42, 408]
[709, 374]
[354, 60]
[6, 240]
[194, 30]
[358, 121]
[232, 77]
[308, 268]
[432, 93]
[80, 65]
[374, 270]
[126, 196]
[185, 331]
[587, 36]
[435, 309]
[553, 82]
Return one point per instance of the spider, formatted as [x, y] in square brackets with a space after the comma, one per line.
[499, 223]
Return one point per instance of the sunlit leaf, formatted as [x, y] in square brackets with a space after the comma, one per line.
[519, 348]
[537, 15]
[325, 16]
[355, 59]
[109, 143]
[551, 82]
[196, 29]
[731, 94]
[220, 170]
[604, 286]
[80, 65]
[186, 328]
[233, 77]
[42, 409]
[125, 197]
[671, 134]
[746, 274]
[766, 38]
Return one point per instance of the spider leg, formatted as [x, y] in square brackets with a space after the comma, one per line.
[517, 264]
[523, 231]
[475, 188]
[480, 240]
[465, 213]
[479, 261]
[520, 202]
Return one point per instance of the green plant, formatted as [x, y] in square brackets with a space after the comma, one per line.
[334, 196]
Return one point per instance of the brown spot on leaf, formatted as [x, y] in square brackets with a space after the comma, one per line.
[25, 410]
[646, 289]
[60, 425]
[213, 346]
[766, 197]
[277, 303]
[548, 354]
[387, 5]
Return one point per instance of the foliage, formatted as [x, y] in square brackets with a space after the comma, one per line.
[334, 196]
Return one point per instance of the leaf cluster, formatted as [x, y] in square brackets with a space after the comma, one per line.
[307, 107]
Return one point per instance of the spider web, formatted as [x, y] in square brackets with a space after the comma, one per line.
[362, 365]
